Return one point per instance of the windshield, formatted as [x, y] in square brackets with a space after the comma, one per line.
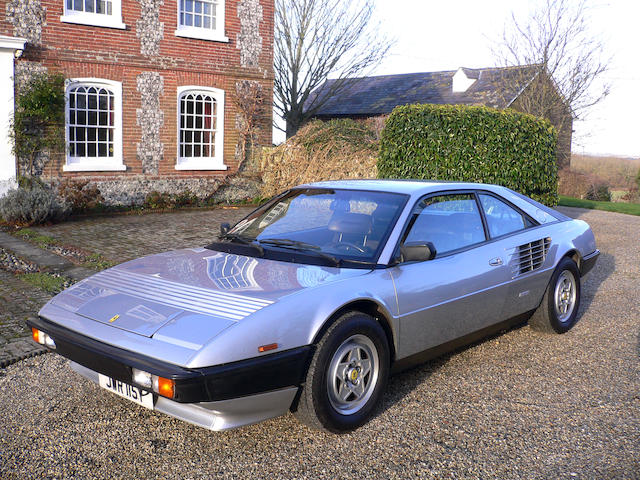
[343, 225]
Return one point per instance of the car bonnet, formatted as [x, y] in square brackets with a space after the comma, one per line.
[187, 297]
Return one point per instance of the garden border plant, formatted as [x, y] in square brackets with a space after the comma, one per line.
[37, 133]
[38, 122]
[471, 144]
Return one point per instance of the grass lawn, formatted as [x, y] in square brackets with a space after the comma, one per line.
[628, 208]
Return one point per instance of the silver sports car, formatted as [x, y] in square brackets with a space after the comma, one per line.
[309, 302]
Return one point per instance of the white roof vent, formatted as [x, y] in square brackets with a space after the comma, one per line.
[461, 82]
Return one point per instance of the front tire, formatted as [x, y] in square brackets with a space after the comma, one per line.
[347, 375]
[558, 311]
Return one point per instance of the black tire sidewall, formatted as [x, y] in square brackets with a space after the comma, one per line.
[355, 324]
[566, 264]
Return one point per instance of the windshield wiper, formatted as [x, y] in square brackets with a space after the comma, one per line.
[301, 246]
[234, 237]
[285, 242]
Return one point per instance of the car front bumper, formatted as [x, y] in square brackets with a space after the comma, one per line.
[219, 415]
[217, 397]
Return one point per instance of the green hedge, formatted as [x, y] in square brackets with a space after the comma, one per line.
[471, 144]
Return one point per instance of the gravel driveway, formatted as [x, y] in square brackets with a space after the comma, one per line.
[521, 405]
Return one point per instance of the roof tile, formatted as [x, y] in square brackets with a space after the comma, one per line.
[379, 95]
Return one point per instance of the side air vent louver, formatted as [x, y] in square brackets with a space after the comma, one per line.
[530, 256]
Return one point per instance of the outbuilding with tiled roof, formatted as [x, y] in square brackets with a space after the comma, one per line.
[502, 87]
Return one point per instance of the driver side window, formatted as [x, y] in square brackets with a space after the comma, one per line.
[450, 222]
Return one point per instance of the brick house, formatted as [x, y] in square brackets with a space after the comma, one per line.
[524, 88]
[149, 88]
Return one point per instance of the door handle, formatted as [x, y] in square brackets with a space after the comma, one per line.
[495, 262]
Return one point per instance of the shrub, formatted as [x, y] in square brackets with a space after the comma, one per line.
[599, 192]
[162, 200]
[184, 199]
[28, 182]
[335, 134]
[575, 184]
[472, 144]
[632, 195]
[583, 185]
[333, 150]
[155, 200]
[31, 206]
[38, 122]
[80, 196]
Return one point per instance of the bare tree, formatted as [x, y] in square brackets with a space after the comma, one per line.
[569, 59]
[315, 39]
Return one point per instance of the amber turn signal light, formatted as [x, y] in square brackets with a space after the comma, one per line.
[266, 348]
[166, 387]
[42, 338]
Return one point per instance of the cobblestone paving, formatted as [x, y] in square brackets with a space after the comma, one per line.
[118, 238]
[18, 301]
[124, 237]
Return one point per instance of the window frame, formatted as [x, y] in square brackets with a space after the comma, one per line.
[526, 218]
[488, 238]
[406, 198]
[202, 163]
[95, 19]
[409, 223]
[202, 33]
[96, 164]
[533, 221]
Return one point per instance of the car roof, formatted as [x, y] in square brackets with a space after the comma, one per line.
[419, 188]
[410, 187]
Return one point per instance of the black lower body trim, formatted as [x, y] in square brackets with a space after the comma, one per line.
[588, 262]
[221, 382]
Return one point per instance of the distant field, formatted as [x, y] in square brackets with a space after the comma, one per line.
[619, 173]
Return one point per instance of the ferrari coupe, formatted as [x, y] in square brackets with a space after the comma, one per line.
[311, 301]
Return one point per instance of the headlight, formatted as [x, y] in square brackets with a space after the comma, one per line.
[142, 378]
[162, 386]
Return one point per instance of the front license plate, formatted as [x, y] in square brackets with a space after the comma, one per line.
[127, 391]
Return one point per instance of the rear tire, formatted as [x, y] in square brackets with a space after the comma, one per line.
[347, 375]
[558, 311]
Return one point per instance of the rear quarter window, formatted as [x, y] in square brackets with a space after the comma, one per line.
[502, 219]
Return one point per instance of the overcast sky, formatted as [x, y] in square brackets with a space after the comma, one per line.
[434, 36]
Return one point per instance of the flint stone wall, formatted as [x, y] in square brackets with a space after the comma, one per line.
[249, 39]
[133, 190]
[27, 18]
[150, 119]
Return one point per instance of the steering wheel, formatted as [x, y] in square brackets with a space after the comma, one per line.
[347, 246]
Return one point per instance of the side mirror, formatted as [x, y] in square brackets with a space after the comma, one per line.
[224, 228]
[417, 252]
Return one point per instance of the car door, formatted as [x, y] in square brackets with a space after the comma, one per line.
[522, 247]
[459, 291]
